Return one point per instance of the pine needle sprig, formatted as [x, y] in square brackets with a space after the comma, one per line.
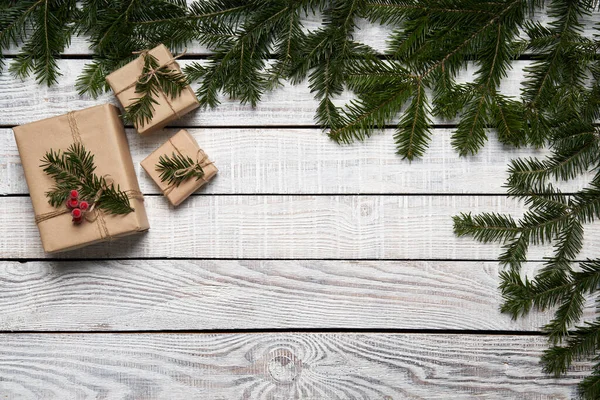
[42, 29]
[153, 80]
[178, 168]
[563, 284]
[238, 66]
[325, 56]
[74, 169]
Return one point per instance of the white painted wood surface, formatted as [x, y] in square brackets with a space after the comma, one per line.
[290, 227]
[126, 295]
[296, 232]
[277, 366]
[306, 161]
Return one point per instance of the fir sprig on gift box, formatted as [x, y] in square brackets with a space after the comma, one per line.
[153, 80]
[178, 168]
[74, 169]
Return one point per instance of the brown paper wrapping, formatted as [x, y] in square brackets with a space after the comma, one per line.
[187, 145]
[101, 132]
[122, 82]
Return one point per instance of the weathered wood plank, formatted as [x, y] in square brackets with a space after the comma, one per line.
[277, 366]
[26, 101]
[255, 294]
[306, 161]
[290, 227]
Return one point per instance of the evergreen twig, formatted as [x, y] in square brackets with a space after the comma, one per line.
[74, 169]
[42, 29]
[178, 168]
[153, 80]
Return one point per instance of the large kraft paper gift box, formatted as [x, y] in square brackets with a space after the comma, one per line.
[123, 80]
[100, 130]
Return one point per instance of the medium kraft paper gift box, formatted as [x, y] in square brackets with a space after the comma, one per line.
[184, 144]
[123, 80]
[100, 130]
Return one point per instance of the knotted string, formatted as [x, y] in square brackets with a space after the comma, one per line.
[201, 161]
[147, 76]
[98, 214]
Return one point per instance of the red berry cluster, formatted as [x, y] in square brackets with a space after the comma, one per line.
[77, 207]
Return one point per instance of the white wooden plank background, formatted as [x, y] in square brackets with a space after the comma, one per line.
[300, 161]
[218, 294]
[277, 366]
[295, 233]
[315, 227]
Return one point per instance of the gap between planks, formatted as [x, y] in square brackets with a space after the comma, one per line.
[261, 331]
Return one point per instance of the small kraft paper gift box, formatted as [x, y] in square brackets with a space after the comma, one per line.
[179, 167]
[123, 82]
[99, 131]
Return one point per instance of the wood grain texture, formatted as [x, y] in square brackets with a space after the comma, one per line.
[290, 227]
[26, 101]
[306, 161]
[277, 366]
[255, 294]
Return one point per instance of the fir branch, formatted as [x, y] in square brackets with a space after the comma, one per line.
[373, 108]
[42, 29]
[178, 168]
[414, 128]
[153, 80]
[486, 227]
[114, 34]
[417, 47]
[555, 48]
[74, 169]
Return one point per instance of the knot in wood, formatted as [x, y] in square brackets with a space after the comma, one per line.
[283, 366]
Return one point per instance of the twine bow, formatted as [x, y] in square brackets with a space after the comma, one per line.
[147, 76]
[201, 162]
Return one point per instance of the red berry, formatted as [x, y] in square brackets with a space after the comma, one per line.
[72, 203]
[74, 194]
[77, 216]
[84, 205]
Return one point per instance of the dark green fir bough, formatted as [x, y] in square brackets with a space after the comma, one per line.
[257, 45]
